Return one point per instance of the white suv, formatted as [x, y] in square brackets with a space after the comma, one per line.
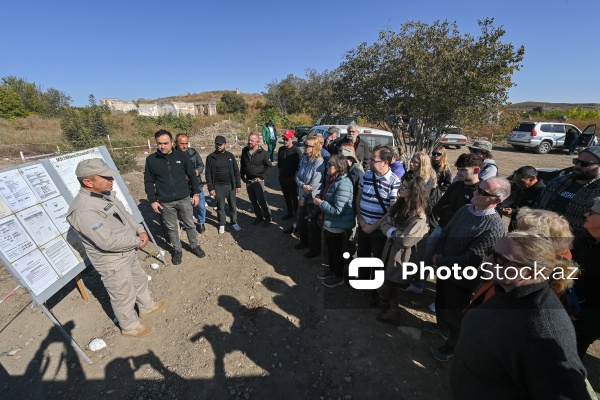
[545, 136]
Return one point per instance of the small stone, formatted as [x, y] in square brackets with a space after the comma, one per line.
[348, 379]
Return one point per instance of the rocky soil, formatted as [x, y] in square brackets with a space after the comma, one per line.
[249, 321]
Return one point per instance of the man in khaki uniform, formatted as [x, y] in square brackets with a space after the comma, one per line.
[110, 236]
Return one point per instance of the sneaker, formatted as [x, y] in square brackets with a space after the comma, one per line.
[140, 331]
[257, 221]
[266, 223]
[288, 216]
[433, 328]
[310, 254]
[443, 353]
[198, 252]
[333, 281]
[413, 289]
[222, 229]
[177, 258]
[326, 273]
[157, 306]
[200, 228]
[390, 317]
[235, 227]
[431, 307]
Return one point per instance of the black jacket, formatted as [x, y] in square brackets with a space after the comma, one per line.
[234, 171]
[166, 178]
[457, 195]
[255, 166]
[524, 198]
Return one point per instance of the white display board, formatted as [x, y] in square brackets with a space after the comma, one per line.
[37, 245]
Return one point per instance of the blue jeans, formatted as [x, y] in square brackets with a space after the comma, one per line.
[200, 209]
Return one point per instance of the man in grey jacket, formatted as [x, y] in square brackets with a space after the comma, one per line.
[110, 236]
[183, 144]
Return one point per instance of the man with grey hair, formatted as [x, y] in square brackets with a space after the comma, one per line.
[361, 148]
[464, 241]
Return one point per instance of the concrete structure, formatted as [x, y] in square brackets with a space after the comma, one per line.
[119, 107]
[161, 107]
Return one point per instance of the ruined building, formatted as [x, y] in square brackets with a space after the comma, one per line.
[161, 107]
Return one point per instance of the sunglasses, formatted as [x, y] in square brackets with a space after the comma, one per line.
[306, 145]
[330, 165]
[483, 192]
[584, 164]
[499, 259]
[436, 154]
[403, 186]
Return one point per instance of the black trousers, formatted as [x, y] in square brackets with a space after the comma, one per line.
[369, 245]
[289, 189]
[256, 194]
[450, 301]
[309, 231]
[337, 245]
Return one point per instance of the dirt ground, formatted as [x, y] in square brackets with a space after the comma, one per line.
[249, 321]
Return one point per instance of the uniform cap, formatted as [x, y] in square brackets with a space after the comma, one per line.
[94, 166]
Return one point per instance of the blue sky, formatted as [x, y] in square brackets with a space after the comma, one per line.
[150, 49]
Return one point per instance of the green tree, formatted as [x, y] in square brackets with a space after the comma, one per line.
[11, 105]
[34, 99]
[318, 93]
[286, 94]
[431, 71]
[86, 127]
[232, 103]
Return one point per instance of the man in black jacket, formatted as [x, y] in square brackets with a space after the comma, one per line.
[528, 189]
[255, 165]
[183, 144]
[167, 178]
[288, 160]
[223, 182]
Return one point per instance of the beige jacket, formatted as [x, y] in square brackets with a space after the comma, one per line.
[406, 245]
[105, 227]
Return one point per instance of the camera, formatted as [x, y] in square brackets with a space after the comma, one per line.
[313, 215]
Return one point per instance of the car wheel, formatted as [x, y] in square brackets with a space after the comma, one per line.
[543, 148]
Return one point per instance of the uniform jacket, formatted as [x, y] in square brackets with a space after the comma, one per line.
[167, 178]
[255, 166]
[234, 171]
[105, 227]
[337, 204]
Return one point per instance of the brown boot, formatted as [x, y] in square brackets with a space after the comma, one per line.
[140, 331]
[157, 306]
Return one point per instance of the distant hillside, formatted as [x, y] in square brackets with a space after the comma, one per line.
[530, 105]
[205, 97]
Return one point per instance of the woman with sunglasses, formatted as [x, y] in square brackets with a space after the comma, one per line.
[338, 218]
[405, 226]
[309, 180]
[520, 344]
[440, 165]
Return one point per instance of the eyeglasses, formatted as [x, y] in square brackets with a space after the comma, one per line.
[499, 259]
[483, 192]
[352, 131]
[376, 161]
[436, 154]
[584, 164]
[404, 187]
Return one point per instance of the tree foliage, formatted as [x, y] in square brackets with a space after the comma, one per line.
[312, 95]
[232, 103]
[431, 71]
[32, 99]
[86, 127]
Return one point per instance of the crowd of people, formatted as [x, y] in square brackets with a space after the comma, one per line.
[518, 332]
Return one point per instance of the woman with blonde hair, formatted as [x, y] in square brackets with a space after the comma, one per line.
[439, 163]
[520, 343]
[309, 180]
